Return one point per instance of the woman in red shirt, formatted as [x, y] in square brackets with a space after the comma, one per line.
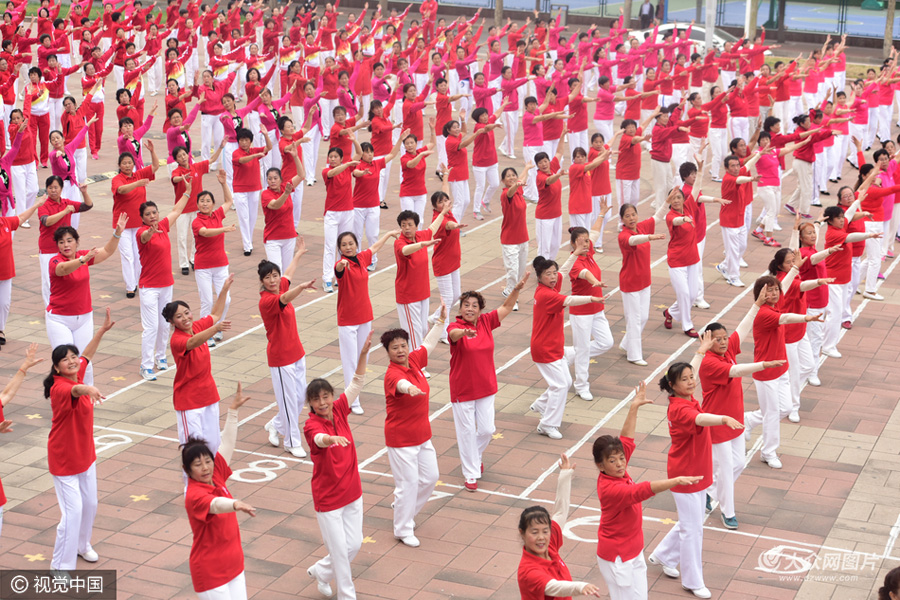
[70, 316]
[7, 261]
[813, 269]
[407, 430]
[514, 228]
[70, 448]
[354, 305]
[591, 336]
[456, 140]
[620, 537]
[689, 455]
[634, 276]
[548, 339]
[338, 207]
[367, 197]
[542, 573]
[217, 559]
[336, 486]
[773, 386]
[684, 263]
[279, 235]
[484, 158]
[156, 281]
[413, 191]
[382, 129]
[548, 214]
[473, 378]
[195, 396]
[447, 255]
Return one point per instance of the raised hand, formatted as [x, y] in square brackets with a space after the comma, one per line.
[239, 398]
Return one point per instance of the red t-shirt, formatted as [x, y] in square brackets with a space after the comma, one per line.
[354, 307]
[210, 251]
[600, 185]
[195, 171]
[46, 245]
[580, 201]
[365, 189]
[279, 221]
[446, 257]
[513, 227]
[472, 373]
[547, 336]
[457, 159]
[130, 203]
[335, 480]
[722, 393]
[682, 242]
[284, 347]
[246, 176]
[344, 142]
[194, 386]
[634, 274]
[70, 447]
[338, 196]
[535, 572]
[628, 166]
[7, 263]
[413, 183]
[412, 283]
[581, 287]
[816, 297]
[156, 257]
[406, 417]
[768, 338]
[621, 530]
[840, 264]
[691, 451]
[484, 153]
[732, 215]
[549, 195]
[70, 294]
[216, 553]
[792, 301]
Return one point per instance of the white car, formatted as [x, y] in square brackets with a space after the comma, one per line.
[698, 35]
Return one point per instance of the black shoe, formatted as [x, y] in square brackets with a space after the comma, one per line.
[439, 175]
[185, 270]
[825, 193]
[383, 205]
[130, 293]
[2, 338]
[247, 252]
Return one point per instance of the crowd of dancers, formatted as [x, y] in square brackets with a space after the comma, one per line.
[423, 90]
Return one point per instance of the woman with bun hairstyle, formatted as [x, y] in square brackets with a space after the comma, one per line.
[620, 537]
[542, 573]
[217, 559]
[514, 228]
[634, 276]
[591, 335]
[689, 455]
[891, 588]
[336, 486]
[548, 339]
[773, 386]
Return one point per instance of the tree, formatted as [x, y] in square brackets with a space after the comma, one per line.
[889, 28]
[627, 12]
[498, 13]
[752, 10]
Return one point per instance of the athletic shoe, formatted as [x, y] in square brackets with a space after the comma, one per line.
[89, 555]
[814, 381]
[701, 303]
[411, 541]
[439, 175]
[211, 343]
[551, 432]
[148, 375]
[667, 570]
[847, 325]
[586, 395]
[486, 208]
[699, 592]
[773, 462]
[478, 217]
[760, 235]
[357, 410]
[881, 276]
[790, 209]
[513, 157]
[95, 156]
[806, 216]
[273, 433]
[25, 225]
[708, 504]
[729, 522]
[426, 374]
[162, 364]
[516, 307]
[329, 289]
[717, 179]
[639, 362]
[297, 451]
[736, 282]
[873, 296]
[721, 269]
[185, 271]
[371, 268]
[743, 264]
[794, 417]
[831, 352]
[130, 293]
[322, 586]
[472, 486]
[772, 243]
[776, 227]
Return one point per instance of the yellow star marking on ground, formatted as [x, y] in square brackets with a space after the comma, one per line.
[668, 521]
[497, 436]
[34, 322]
[319, 219]
[662, 306]
[439, 482]
[368, 540]
[141, 498]
[95, 237]
[254, 316]
[35, 557]
[713, 264]
[592, 362]
[34, 416]
[118, 379]
[308, 291]
[33, 255]
[105, 296]
[368, 370]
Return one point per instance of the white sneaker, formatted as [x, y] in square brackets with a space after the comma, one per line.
[25, 225]
[211, 342]
[297, 451]
[445, 341]
[794, 417]
[744, 264]
[667, 570]
[586, 395]
[323, 586]
[273, 434]
[551, 432]
[148, 375]
[773, 462]
[736, 282]
[703, 304]
[411, 541]
[777, 227]
[639, 362]
[357, 410]
[89, 555]
[426, 374]
[873, 296]
[831, 352]
[814, 381]
[516, 307]
[699, 592]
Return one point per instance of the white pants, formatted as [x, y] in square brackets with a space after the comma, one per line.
[695, 144]
[884, 122]
[209, 284]
[280, 252]
[119, 76]
[874, 249]
[336, 223]
[800, 365]
[578, 139]
[680, 155]
[72, 329]
[549, 237]
[77, 498]
[683, 545]
[837, 156]
[774, 405]
[838, 296]
[131, 264]
[511, 125]
[417, 205]
[718, 145]
[636, 306]
[595, 214]
[487, 182]
[581, 220]
[591, 337]
[383, 179]
[200, 423]
[311, 154]
[414, 320]
[474, 421]
[550, 147]
[366, 224]
[227, 164]
[552, 403]
[5, 301]
[343, 535]
[156, 329]
[449, 289]
[802, 196]
[859, 132]
[890, 231]
[531, 191]
[289, 384]
[728, 464]
[415, 472]
[211, 134]
[735, 241]
[740, 128]
[815, 333]
[24, 186]
[459, 192]
[701, 247]
[185, 239]
[684, 282]
[155, 78]
[515, 261]
[625, 580]
[327, 107]
[247, 206]
[628, 191]
[855, 275]
[236, 589]
[350, 340]
[770, 195]
[604, 128]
